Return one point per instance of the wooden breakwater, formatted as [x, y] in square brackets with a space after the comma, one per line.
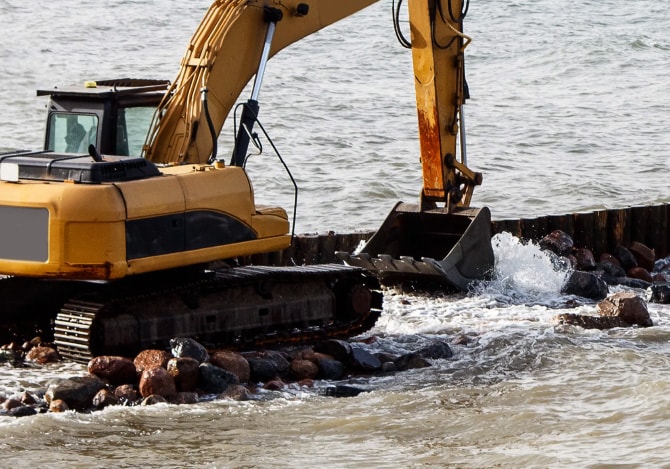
[600, 231]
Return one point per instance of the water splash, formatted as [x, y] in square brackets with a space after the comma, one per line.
[523, 272]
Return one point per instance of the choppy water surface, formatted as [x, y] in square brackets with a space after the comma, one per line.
[569, 112]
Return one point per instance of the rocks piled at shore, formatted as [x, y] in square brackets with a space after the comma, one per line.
[634, 266]
[189, 373]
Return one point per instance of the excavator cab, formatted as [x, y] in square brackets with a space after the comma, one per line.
[112, 115]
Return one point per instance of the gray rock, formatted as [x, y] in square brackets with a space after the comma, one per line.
[215, 380]
[76, 392]
[587, 285]
[186, 347]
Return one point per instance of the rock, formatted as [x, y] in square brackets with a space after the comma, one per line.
[187, 347]
[27, 399]
[42, 355]
[659, 293]
[215, 380]
[389, 367]
[607, 258]
[11, 403]
[436, 350]
[461, 339]
[557, 242]
[610, 272]
[126, 394]
[153, 400]
[158, 381]
[58, 405]
[329, 368]
[585, 259]
[586, 284]
[338, 349]
[77, 392]
[232, 362]
[628, 307]
[151, 358]
[235, 392]
[303, 369]
[23, 411]
[261, 369]
[589, 322]
[274, 385]
[185, 372]
[104, 398]
[626, 258]
[182, 398]
[640, 273]
[633, 283]
[410, 361]
[342, 390]
[644, 256]
[363, 360]
[281, 363]
[116, 370]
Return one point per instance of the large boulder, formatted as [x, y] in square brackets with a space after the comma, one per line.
[645, 256]
[232, 362]
[586, 284]
[558, 242]
[627, 306]
[187, 347]
[185, 372]
[215, 380]
[116, 370]
[151, 358]
[157, 381]
[76, 392]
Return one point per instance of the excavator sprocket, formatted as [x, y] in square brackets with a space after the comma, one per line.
[240, 307]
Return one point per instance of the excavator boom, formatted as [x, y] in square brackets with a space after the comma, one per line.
[222, 57]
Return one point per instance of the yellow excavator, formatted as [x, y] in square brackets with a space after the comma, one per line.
[112, 231]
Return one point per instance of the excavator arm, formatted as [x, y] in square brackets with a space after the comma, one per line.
[228, 46]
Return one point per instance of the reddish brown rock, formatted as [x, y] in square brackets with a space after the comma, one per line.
[151, 358]
[116, 370]
[235, 392]
[640, 273]
[153, 399]
[558, 242]
[232, 362]
[58, 405]
[589, 322]
[126, 394]
[643, 254]
[158, 381]
[585, 259]
[627, 306]
[182, 398]
[185, 372]
[303, 369]
[42, 355]
[77, 391]
[607, 258]
[274, 385]
[11, 403]
[104, 398]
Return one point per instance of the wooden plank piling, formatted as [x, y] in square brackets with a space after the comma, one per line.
[600, 231]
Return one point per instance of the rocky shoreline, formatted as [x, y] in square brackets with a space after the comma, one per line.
[189, 373]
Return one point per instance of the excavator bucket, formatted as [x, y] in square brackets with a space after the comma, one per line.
[430, 248]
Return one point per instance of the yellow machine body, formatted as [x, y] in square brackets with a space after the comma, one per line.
[186, 215]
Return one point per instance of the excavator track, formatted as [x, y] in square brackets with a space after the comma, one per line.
[241, 307]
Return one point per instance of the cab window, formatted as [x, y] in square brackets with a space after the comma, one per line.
[72, 133]
[132, 128]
